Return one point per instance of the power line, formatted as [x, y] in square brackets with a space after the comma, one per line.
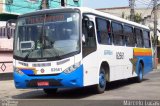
[143, 2]
[146, 1]
[147, 7]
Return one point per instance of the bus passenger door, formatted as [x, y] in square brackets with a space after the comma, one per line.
[89, 51]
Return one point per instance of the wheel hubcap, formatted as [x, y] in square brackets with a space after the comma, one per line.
[102, 80]
[140, 72]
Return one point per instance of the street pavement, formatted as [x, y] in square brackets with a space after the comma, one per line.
[124, 89]
[149, 89]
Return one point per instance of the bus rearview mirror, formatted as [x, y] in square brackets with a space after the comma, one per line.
[10, 25]
[83, 38]
[90, 25]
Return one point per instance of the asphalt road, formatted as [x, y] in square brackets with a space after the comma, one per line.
[149, 89]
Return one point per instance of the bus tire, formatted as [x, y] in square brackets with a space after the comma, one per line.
[101, 86]
[139, 78]
[50, 91]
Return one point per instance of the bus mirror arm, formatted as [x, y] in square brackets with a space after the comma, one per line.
[10, 25]
[90, 25]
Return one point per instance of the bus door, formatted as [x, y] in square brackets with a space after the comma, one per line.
[89, 48]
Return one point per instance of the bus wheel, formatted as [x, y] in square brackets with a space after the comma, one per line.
[50, 91]
[140, 73]
[100, 88]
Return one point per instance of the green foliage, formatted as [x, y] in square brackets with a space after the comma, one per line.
[138, 17]
[154, 40]
[123, 15]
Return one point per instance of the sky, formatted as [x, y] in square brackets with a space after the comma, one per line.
[105, 3]
[115, 3]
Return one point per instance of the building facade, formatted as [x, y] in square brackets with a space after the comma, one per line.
[24, 6]
[124, 12]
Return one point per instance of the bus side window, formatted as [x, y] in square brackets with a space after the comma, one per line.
[139, 38]
[103, 31]
[118, 36]
[146, 38]
[129, 36]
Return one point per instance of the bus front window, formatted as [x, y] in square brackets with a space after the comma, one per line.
[47, 36]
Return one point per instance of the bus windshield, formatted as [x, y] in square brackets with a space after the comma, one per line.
[47, 36]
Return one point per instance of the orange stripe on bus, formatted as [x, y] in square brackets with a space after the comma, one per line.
[142, 52]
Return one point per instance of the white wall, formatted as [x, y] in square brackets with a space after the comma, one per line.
[2, 23]
[6, 44]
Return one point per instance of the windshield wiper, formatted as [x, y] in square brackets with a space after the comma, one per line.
[27, 55]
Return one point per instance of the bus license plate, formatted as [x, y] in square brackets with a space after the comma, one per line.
[44, 83]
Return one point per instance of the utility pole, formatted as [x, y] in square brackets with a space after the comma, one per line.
[155, 32]
[131, 4]
[44, 4]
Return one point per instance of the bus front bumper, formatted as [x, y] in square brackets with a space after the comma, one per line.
[62, 80]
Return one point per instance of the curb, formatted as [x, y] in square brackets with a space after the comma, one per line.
[6, 76]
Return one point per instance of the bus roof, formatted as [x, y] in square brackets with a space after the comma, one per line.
[86, 10]
[107, 15]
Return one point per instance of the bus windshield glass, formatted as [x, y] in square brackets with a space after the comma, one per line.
[47, 36]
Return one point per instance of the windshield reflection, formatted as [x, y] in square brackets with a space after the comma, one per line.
[47, 36]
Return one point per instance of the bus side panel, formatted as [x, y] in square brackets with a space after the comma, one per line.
[91, 69]
[120, 65]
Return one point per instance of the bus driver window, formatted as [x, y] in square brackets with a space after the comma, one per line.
[88, 37]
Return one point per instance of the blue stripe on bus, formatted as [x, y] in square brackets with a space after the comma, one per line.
[27, 71]
[147, 60]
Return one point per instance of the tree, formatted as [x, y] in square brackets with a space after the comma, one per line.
[123, 14]
[138, 17]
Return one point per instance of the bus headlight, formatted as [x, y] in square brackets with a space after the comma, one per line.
[72, 68]
[17, 70]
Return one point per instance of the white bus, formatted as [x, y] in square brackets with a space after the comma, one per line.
[78, 47]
